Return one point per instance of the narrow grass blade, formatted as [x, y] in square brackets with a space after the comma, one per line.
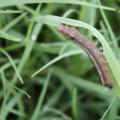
[9, 106]
[9, 37]
[13, 22]
[74, 103]
[12, 63]
[93, 88]
[6, 3]
[24, 92]
[41, 97]
[57, 59]
[4, 83]
[57, 112]
[9, 11]
[103, 117]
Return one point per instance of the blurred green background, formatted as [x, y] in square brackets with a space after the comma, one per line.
[68, 86]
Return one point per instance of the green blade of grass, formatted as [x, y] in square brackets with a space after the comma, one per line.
[9, 37]
[10, 105]
[69, 12]
[26, 8]
[4, 83]
[17, 113]
[70, 53]
[13, 22]
[53, 48]
[12, 63]
[36, 29]
[114, 110]
[6, 3]
[23, 92]
[111, 33]
[55, 97]
[93, 88]
[41, 97]
[29, 32]
[13, 47]
[7, 65]
[57, 112]
[9, 11]
[74, 103]
[103, 117]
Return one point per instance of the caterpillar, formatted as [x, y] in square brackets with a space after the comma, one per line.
[93, 52]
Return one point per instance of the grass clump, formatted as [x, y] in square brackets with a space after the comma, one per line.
[64, 83]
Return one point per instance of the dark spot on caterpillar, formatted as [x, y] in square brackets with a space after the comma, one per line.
[90, 48]
[71, 37]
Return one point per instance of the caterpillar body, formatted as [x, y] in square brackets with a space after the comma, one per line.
[90, 48]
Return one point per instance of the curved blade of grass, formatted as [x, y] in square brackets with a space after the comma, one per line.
[7, 65]
[41, 97]
[69, 12]
[57, 112]
[26, 8]
[13, 22]
[57, 59]
[12, 63]
[109, 55]
[46, 47]
[110, 31]
[9, 37]
[17, 113]
[23, 92]
[5, 3]
[9, 11]
[91, 87]
[10, 105]
[13, 47]
[113, 100]
[3, 82]
[74, 103]
[55, 97]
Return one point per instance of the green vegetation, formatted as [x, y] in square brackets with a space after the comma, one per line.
[45, 76]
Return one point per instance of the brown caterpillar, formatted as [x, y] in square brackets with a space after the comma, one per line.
[90, 48]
